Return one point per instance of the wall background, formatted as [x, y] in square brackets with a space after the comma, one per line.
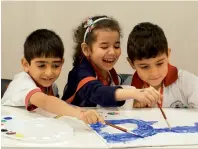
[179, 20]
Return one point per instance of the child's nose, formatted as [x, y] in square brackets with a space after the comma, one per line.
[154, 72]
[111, 51]
[48, 72]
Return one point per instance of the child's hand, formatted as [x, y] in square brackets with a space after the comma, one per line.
[137, 104]
[91, 117]
[148, 96]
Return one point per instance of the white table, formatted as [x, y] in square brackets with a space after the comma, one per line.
[83, 137]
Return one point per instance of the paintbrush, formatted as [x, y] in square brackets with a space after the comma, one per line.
[164, 115]
[122, 129]
[162, 111]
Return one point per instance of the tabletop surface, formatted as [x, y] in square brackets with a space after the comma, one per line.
[83, 136]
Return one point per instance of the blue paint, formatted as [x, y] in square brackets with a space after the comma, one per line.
[7, 118]
[144, 129]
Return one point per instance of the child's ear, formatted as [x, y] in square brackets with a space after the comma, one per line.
[85, 49]
[25, 64]
[169, 53]
[130, 62]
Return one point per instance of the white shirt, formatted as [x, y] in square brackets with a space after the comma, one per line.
[20, 90]
[182, 93]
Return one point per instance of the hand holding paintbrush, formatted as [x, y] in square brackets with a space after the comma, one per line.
[160, 107]
[148, 103]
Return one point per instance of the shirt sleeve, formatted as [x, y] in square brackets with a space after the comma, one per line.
[96, 92]
[189, 88]
[19, 91]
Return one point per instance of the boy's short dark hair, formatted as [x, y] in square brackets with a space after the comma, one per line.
[43, 43]
[146, 40]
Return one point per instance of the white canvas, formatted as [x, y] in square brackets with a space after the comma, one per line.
[176, 118]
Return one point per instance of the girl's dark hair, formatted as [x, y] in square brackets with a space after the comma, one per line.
[146, 40]
[107, 24]
[43, 43]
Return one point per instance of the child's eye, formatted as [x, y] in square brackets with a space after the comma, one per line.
[41, 66]
[144, 67]
[104, 47]
[117, 47]
[159, 64]
[55, 65]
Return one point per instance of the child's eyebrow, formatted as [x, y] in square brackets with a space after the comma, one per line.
[143, 64]
[41, 62]
[59, 61]
[161, 60]
[104, 43]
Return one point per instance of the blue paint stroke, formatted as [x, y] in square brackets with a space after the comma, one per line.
[144, 129]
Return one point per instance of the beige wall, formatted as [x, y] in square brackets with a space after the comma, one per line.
[178, 19]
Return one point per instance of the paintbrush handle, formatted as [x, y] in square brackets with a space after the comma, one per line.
[117, 127]
[162, 111]
[123, 129]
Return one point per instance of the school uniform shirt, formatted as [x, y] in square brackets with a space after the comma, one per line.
[22, 88]
[180, 88]
[92, 93]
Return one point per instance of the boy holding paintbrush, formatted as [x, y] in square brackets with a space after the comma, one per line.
[148, 54]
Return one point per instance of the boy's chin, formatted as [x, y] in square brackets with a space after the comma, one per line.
[46, 84]
[155, 84]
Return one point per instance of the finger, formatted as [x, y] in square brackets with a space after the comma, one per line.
[147, 100]
[160, 96]
[99, 117]
[136, 104]
[89, 115]
[101, 120]
[151, 98]
[158, 91]
[143, 104]
[89, 119]
[84, 118]
[155, 94]
[94, 119]
[96, 113]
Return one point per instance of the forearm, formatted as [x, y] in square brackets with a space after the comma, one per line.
[54, 105]
[124, 94]
[97, 93]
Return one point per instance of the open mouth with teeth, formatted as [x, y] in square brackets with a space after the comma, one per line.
[109, 60]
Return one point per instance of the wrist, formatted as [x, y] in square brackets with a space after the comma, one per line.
[80, 114]
[133, 93]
